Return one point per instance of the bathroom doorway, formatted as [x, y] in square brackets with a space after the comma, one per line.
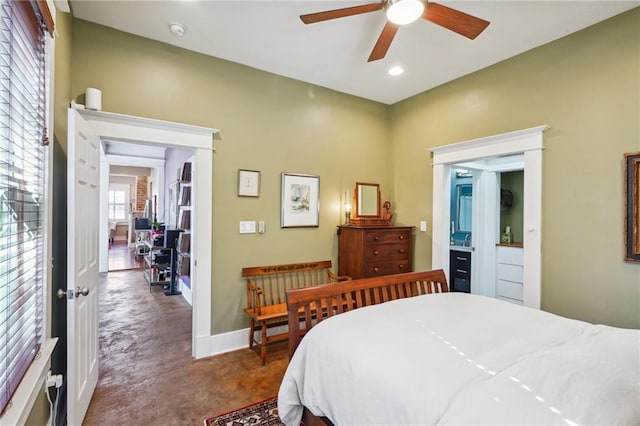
[487, 158]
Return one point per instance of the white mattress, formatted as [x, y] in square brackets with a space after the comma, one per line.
[455, 358]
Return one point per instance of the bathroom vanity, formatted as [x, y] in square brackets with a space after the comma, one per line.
[460, 269]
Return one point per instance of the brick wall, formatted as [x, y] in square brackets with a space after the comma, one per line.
[141, 192]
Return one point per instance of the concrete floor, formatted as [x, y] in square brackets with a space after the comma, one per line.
[147, 374]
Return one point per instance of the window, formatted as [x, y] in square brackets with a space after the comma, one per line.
[118, 204]
[22, 190]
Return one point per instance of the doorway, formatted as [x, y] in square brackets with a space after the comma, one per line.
[127, 190]
[150, 132]
[519, 150]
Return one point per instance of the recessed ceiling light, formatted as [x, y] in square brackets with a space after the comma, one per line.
[177, 29]
[397, 70]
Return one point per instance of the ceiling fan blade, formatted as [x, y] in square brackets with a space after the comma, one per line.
[454, 20]
[384, 41]
[312, 18]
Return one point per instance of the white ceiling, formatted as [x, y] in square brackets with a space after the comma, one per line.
[268, 35]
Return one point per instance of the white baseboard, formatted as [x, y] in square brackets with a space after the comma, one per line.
[221, 343]
[186, 292]
[226, 342]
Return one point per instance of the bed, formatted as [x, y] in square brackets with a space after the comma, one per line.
[457, 358]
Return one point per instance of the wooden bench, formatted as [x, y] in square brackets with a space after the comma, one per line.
[266, 299]
[345, 296]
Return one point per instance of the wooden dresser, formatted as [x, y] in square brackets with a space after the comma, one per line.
[369, 251]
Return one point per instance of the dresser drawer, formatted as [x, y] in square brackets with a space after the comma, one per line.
[370, 251]
[375, 269]
[380, 252]
[510, 290]
[386, 237]
[506, 299]
[510, 272]
[510, 255]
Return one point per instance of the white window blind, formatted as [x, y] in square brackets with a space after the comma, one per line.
[117, 204]
[22, 190]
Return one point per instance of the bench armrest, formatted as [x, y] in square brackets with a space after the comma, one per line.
[254, 298]
[334, 277]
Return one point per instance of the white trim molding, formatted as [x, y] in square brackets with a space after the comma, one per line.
[529, 143]
[124, 128]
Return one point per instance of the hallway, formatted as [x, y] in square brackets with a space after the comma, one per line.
[147, 374]
[122, 257]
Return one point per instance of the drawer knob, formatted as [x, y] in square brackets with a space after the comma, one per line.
[401, 237]
[401, 266]
[462, 271]
[376, 238]
[461, 258]
[401, 251]
[375, 252]
[375, 269]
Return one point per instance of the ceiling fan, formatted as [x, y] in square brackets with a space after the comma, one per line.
[401, 12]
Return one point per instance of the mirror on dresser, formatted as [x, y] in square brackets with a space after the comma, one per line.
[367, 212]
[367, 200]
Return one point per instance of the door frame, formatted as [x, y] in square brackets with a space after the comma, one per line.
[528, 142]
[126, 128]
[106, 161]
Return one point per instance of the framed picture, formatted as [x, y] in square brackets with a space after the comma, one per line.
[248, 183]
[300, 200]
[632, 207]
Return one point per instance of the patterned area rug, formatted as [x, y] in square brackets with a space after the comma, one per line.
[263, 413]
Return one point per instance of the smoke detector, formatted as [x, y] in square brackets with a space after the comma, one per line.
[177, 29]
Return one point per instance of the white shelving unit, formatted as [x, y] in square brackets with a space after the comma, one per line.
[183, 247]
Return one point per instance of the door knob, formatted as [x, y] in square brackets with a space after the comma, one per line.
[82, 291]
[61, 293]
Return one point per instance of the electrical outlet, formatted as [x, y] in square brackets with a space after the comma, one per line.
[261, 227]
[247, 226]
[53, 380]
[423, 225]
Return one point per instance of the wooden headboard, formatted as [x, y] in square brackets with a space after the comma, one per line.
[340, 297]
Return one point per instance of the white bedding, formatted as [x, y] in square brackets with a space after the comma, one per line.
[455, 358]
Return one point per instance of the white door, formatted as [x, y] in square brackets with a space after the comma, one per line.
[83, 177]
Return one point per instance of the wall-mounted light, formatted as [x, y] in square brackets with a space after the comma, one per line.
[402, 12]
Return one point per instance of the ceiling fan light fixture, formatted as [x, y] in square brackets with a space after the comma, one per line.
[402, 12]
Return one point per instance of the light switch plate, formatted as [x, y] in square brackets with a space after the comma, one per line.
[261, 227]
[423, 225]
[247, 226]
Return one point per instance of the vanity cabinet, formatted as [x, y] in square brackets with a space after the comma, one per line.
[370, 251]
[460, 270]
[509, 285]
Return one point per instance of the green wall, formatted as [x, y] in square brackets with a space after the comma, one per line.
[269, 123]
[513, 217]
[586, 86]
